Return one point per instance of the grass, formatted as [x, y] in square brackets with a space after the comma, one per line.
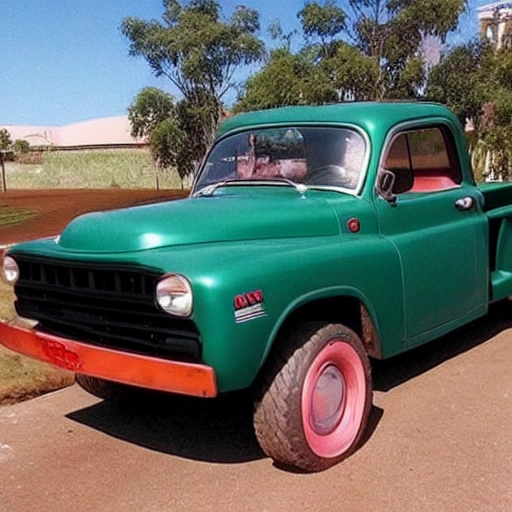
[122, 168]
[9, 216]
[22, 378]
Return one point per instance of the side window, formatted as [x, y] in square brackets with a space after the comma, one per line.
[423, 161]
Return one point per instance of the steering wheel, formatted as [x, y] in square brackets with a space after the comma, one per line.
[330, 175]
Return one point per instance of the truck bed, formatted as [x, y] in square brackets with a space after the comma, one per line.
[496, 194]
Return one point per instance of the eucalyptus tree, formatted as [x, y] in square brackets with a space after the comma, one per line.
[150, 107]
[198, 50]
[368, 49]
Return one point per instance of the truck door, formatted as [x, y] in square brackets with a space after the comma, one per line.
[437, 227]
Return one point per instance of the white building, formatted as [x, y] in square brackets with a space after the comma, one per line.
[495, 20]
[106, 132]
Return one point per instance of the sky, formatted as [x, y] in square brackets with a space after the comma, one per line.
[66, 61]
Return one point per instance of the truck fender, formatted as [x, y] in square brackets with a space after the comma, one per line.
[369, 323]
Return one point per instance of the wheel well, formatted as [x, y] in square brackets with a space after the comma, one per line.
[348, 311]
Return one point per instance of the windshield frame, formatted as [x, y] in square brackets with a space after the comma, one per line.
[347, 126]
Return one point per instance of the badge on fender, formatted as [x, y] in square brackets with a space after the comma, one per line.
[249, 306]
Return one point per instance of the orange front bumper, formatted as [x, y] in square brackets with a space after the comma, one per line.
[138, 370]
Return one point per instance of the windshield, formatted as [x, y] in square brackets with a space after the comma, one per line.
[315, 156]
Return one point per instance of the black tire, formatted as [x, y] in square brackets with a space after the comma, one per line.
[313, 405]
[106, 389]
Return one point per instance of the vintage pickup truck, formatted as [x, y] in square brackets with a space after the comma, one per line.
[314, 240]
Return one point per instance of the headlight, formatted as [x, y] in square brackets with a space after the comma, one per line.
[11, 271]
[174, 295]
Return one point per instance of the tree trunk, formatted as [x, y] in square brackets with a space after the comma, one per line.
[157, 177]
[4, 181]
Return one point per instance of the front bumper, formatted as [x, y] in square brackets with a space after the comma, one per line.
[127, 368]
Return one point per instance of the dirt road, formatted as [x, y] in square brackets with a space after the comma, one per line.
[54, 208]
[441, 440]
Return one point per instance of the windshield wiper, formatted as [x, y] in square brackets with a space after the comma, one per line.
[299, 187]
[210, 189]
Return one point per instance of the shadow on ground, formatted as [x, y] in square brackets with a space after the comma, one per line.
[217, 430]
[396, 371]
[221, 430]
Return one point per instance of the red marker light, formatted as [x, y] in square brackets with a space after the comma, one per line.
[354, 225]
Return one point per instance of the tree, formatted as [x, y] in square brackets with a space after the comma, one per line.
[168, 145]
[197, 50]
[475, 81]
[5, 147]
[283, 81]
[391, 32]
[372, 51]
[21, 146]
[495, 130]
[460, 81]
[322, 22]
[174, 131]
[151, 107]
[353, 75]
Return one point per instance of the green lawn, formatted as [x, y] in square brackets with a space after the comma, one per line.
[9, 216]
[20, 377]
[123, 168]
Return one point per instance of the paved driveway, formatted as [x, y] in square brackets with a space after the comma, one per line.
[440, 440]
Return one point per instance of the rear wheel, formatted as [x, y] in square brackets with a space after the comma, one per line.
[313, 408]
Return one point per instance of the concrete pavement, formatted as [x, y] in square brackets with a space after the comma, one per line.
[440, 440]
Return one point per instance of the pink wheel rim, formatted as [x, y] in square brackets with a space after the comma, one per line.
[333, 399]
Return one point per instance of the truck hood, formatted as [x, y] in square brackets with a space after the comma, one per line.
[284, 214]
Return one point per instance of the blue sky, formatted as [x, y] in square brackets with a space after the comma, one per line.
[65, 61]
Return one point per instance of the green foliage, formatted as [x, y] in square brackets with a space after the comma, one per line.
[352, 74]
[285, 80]
[169, 148]
[322, 21]
[199, 52]
[195, 48]
[5, 140]
[178, 134]
[392, 33]
[149, 108]
[5, 145]
[475, 81]
[21, 146]
[459, 80]
[372, 52]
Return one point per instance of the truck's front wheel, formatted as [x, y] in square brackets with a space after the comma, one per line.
[314, 405]
[104, 388]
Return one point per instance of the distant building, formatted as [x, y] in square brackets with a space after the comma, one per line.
[495, 21]
[101, 133]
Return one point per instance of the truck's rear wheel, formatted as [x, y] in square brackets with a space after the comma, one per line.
[314, 406]
[105, 389]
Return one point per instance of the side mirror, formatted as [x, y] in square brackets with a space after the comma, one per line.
[385, 186]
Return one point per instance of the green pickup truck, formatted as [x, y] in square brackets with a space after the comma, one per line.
[315, 239]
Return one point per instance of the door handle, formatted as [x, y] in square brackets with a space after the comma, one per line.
[465, 204]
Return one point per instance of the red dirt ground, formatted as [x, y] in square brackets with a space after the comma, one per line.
[56, 207]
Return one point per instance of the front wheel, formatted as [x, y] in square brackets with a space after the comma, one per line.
[314, 406]
[106, 389]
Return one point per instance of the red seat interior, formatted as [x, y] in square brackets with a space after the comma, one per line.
[432, 181]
